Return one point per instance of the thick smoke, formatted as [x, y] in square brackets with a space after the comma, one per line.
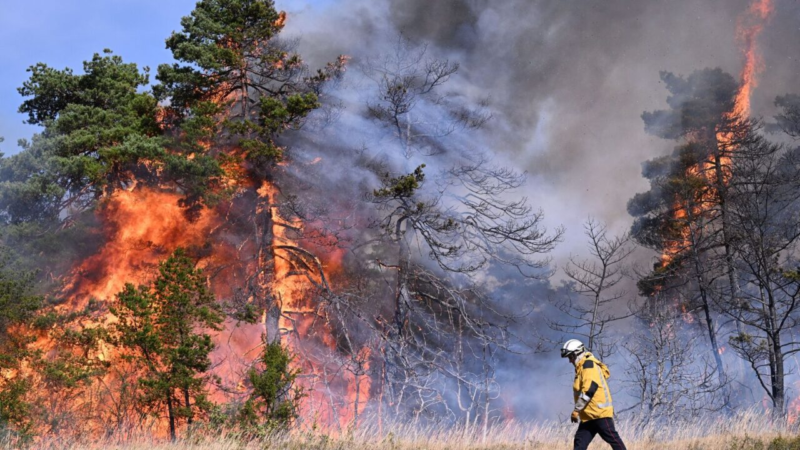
[566, 83]
[567, 80]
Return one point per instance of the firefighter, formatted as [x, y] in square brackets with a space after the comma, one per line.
[593, 408]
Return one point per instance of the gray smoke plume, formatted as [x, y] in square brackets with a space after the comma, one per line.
[566, 82]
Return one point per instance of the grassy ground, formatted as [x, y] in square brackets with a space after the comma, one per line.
[749, 431]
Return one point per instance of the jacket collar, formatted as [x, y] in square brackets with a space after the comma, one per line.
[581, 357]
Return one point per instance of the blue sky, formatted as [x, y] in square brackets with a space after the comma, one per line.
[65, 33]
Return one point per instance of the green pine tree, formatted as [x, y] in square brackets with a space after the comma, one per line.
[102, 130]
[163, 330]
[275, 399]
[18, 307]
[228, 54]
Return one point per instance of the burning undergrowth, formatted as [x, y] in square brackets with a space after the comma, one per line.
[356, 215]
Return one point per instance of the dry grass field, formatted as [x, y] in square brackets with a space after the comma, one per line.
[747, 431]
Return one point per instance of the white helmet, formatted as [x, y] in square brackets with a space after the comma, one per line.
[572, 347]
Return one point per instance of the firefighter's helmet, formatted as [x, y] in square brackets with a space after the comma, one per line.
[572, 347]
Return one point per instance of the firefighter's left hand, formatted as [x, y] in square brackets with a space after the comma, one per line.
[574, 417]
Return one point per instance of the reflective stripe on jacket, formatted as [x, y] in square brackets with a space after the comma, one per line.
[591, 388]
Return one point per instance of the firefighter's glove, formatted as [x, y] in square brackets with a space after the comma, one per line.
[574, 417]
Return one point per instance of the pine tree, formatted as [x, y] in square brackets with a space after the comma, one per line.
[103, 130]
[685, 214]
[274, 401]
[18, 307]
[162, 330]
[232, 63]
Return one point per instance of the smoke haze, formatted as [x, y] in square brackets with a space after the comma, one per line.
[567, 81]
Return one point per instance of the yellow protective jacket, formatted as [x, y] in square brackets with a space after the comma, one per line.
[590, 389]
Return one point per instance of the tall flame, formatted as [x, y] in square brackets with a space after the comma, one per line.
[141, 227]
[748, 29]
[302, 323]
[749, 26]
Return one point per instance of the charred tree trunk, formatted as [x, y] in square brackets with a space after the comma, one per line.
[171, 414]
[712, 333]
[702, 286]
[401, 296]
[187, 400]
[722, 201]
[721, 187]
[777, 375]
[266, 218]
[398, 332]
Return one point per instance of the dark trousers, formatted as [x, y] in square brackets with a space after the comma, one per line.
[605, 427]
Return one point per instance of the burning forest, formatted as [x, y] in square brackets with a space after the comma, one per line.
[246, 244]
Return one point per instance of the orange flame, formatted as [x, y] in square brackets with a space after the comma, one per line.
[143, 226]
[749, 27]
[302, 322]
[281, 21]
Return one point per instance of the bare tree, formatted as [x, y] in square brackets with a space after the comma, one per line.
[596, 281]
[665, 377]
[766, 216]
[406, 78]
[462, 219]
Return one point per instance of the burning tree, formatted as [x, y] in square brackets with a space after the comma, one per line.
[235, 69]
[187, 164]
[122, 176]
[161, 330]
[685, 214]
[18, 306]
[765, 206]
[101, 135]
